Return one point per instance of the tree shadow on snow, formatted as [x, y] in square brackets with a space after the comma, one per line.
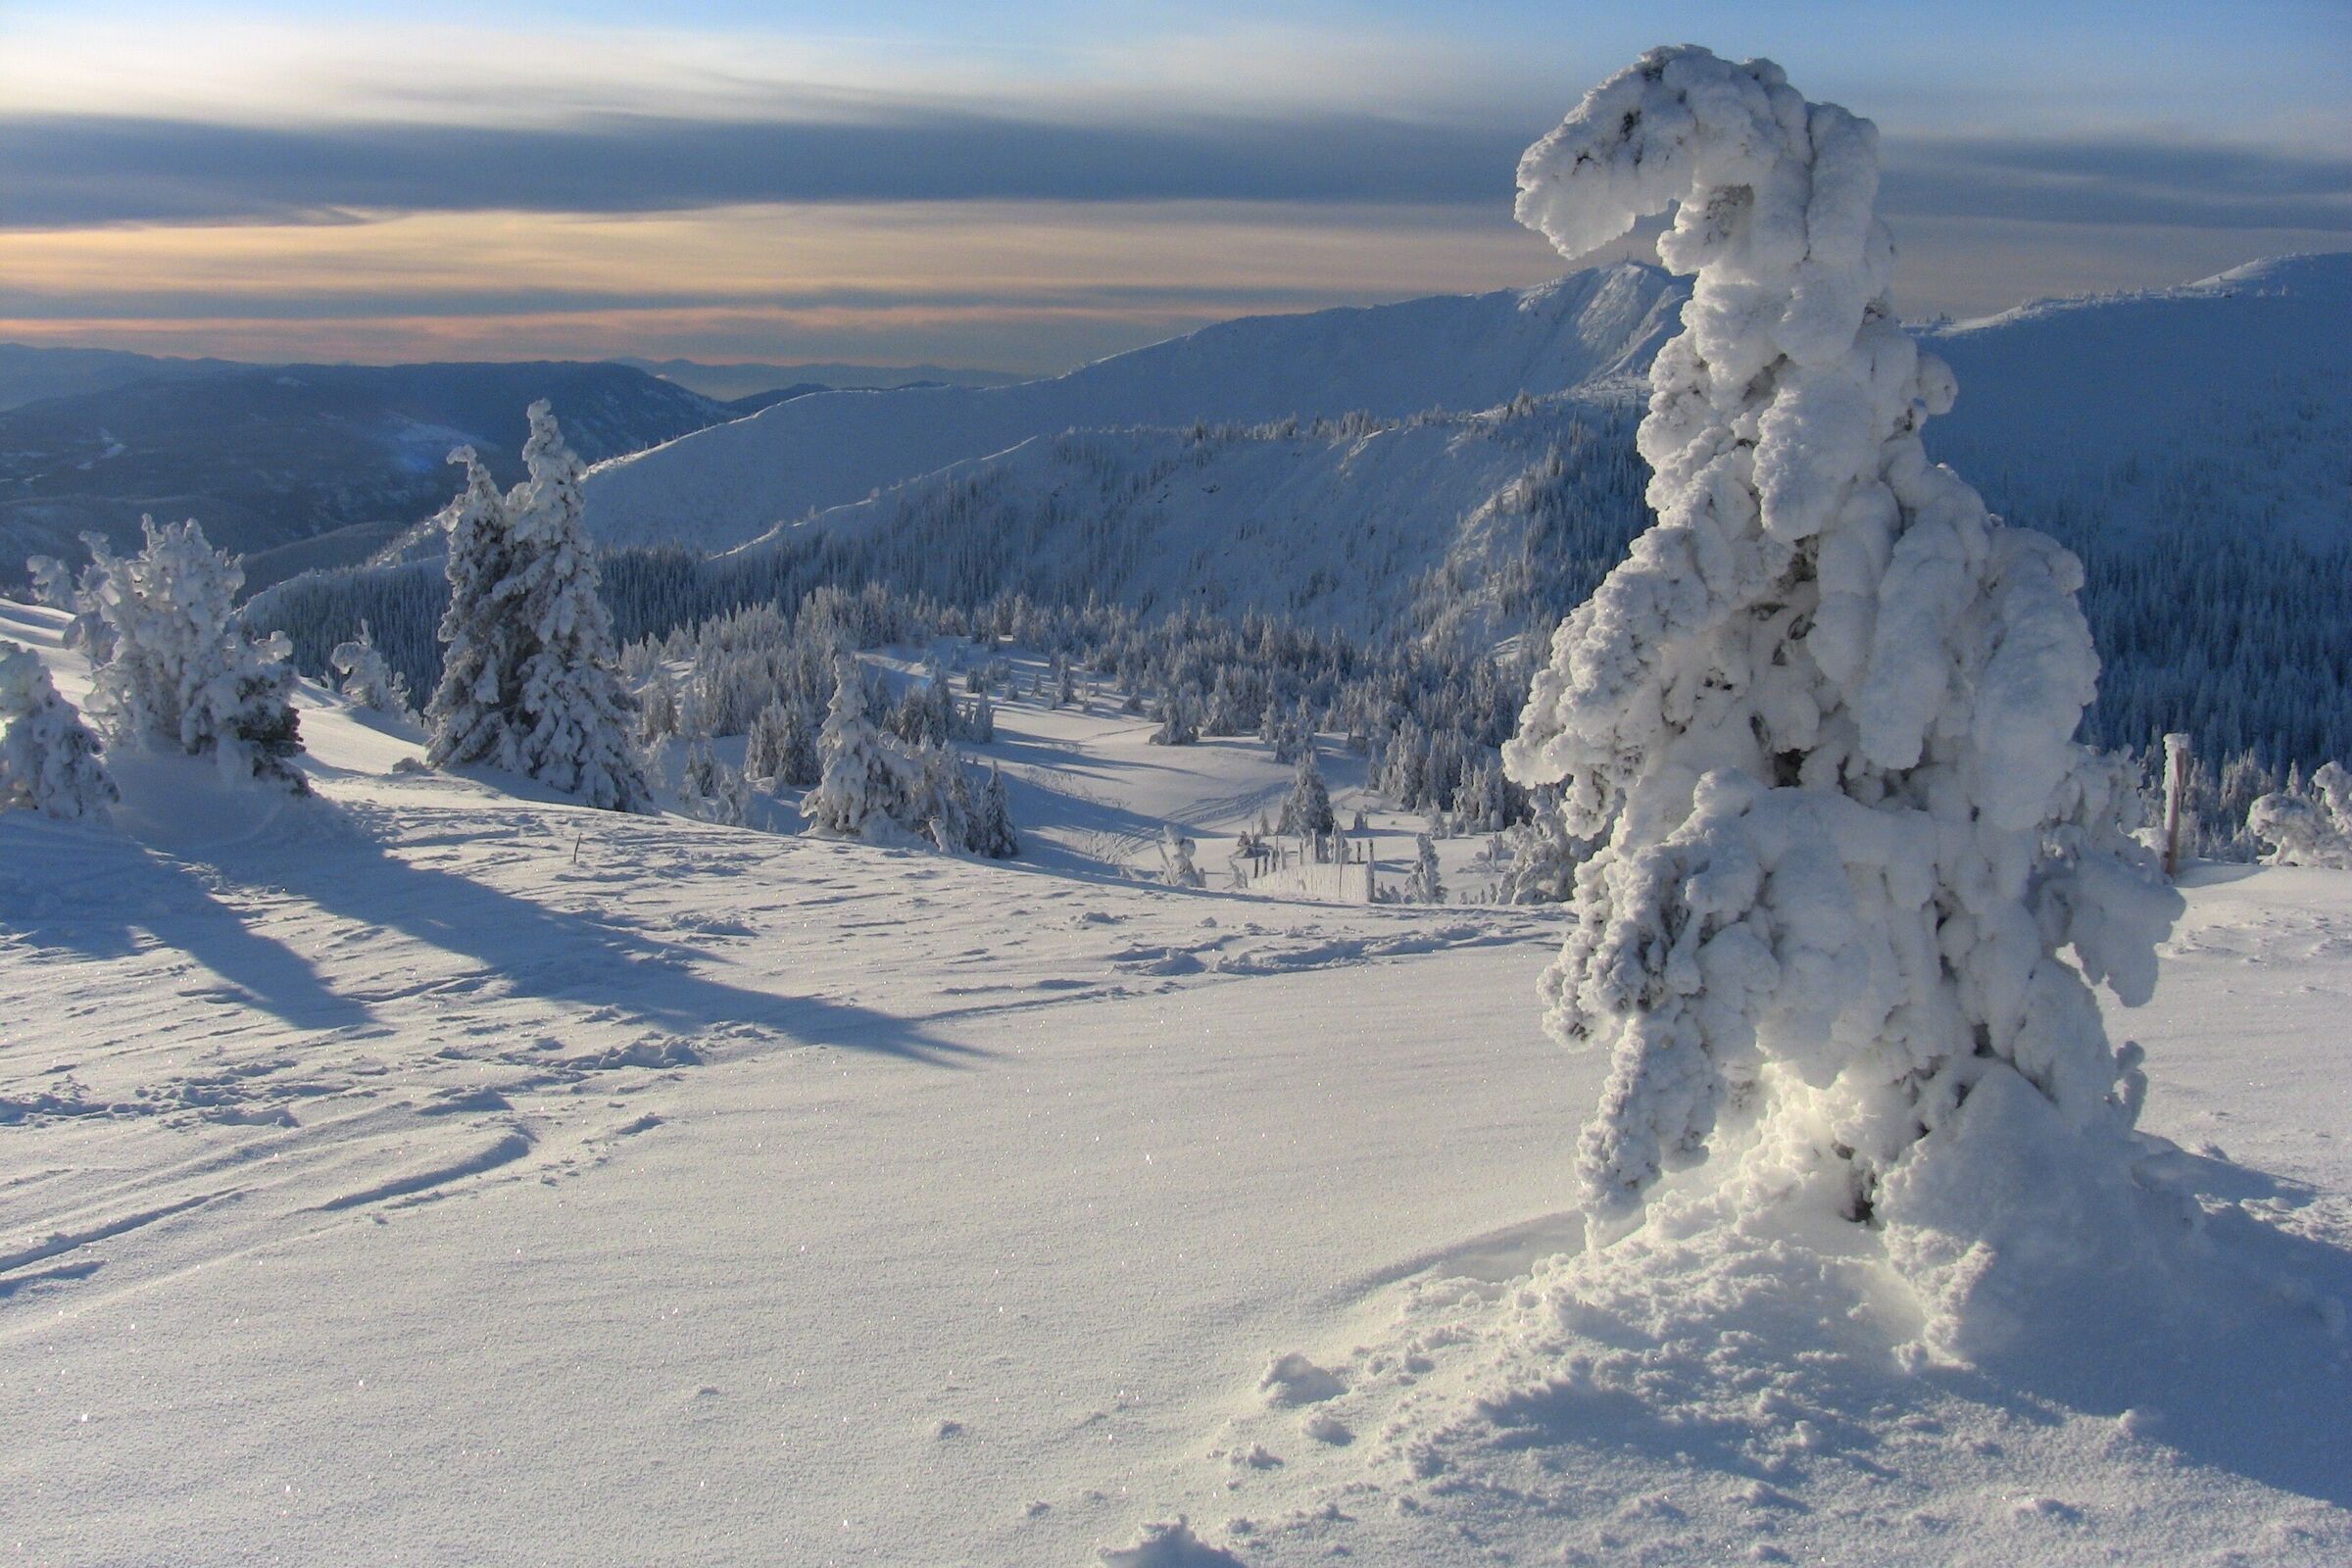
[90, 890]
[532, 951]
[2241, 1365]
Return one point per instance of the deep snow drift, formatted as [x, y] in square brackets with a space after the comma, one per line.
[426, 1168]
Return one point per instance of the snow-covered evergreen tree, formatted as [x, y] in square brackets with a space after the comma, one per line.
[573, 720]
[368, 680]
[472, 712]
[184, 671]
[941, 806]
[1306, 813]
[1542, 857]
[2307, 826]
[1421, 883]
[49, 760]
[1824, 714]
[657, 708]
[766, 750]
[1179, 720]
[1176, 867]
[865, 782]
[993, 832]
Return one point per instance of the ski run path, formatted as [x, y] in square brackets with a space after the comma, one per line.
[430, 1174]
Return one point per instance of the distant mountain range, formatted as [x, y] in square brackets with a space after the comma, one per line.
[728, 485]
[1220, 469]
[274, 456]
[734, 383]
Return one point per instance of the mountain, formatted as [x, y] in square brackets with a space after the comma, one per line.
[270, 456]
[724, 486]
[28, 373]
[2225, 404]
[732, 381]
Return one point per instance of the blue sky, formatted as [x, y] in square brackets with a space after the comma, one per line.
[1031, 185]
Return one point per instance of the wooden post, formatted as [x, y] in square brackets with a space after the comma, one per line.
[2176, 783]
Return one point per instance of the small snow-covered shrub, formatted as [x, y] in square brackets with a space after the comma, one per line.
[49, 760]
[1176, 867]
[1858, 877]
[183, 671]
[2306, 827]
[368, 680]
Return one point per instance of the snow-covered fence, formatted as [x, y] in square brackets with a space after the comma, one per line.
[1334, 870]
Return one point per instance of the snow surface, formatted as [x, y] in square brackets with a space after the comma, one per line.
[434, 1171]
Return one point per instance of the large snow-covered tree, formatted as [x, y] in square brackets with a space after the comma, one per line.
[575, 722]
[182, 668]
[531, 680]
[368, 678]
[1306, 810]
[1825, 711]
[865, 782]
[49, 760]
[472, 709]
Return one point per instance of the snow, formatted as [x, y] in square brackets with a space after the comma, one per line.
[731, 483]
[435, 1164]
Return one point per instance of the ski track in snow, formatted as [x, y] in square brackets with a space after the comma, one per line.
[434, 1169]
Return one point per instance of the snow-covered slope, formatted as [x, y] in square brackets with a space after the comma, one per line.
[720, 487]
[2226, 403]
[421, 1170]
[1357, 523]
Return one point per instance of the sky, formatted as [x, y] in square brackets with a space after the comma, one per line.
[1029, 186]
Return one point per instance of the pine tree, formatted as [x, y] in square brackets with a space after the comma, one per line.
[865, 782]
[368, 680]
[768, 749]
[1176, 858]
[574, 718]
[1824, 715]
[992, 825]
[1179, 720]
[472, 712]
[1307, 813]
[184, 671]
[49, 760]
[1421, 884]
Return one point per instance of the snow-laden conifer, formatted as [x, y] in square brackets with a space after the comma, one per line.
[368, 680]
[993, 833]
[865, 782]
[2307, 826]
[473, 710]
[1176, 867]
[1306, 813]
[183, 671]
[1422, 884]
[1825, 711]
[49, 760]
[575, 721]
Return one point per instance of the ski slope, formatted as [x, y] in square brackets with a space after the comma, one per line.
[435, 1173]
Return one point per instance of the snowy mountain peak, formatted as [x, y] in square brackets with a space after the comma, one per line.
[724, 486]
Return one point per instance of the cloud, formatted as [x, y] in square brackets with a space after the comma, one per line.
[68, 171]
[2118, 180]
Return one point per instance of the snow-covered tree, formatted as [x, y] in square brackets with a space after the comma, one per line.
[942, 804]
[865, 781]
[767, 748]
[1176, 867]
[1179, 720]
[368, 680]
[993, 832]
[1421, 883]
[49, 760]
[1542, 857]
[1824, 714]
[574, 721]
[472, 712]
[184, 671]
[2307, 826]
[1306, 813]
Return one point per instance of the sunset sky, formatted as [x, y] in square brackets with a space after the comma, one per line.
[1027, 186]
